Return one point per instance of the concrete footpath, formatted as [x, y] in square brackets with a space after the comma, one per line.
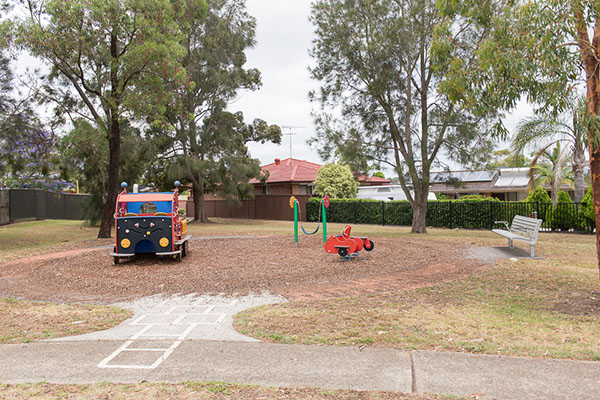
[307, 366]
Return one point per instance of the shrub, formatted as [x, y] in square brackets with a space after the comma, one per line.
[563, 217]
[475, 198]
[360, 211]
[586, 211]
[540, 194]
[336, 181]
[473, 212]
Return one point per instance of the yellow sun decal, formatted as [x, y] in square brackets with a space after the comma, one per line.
[164, 242]
[125, 243]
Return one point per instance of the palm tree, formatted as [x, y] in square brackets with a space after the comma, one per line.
[552, 170]
[549, 132]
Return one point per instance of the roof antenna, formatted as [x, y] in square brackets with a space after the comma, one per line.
[290, 134]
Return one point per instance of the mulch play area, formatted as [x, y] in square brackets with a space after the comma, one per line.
[238, 266]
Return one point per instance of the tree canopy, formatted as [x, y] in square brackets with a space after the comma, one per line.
[207, 143]
[109, 61]
[380, 95]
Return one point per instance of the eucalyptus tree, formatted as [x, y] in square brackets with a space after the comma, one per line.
[380, 92]
[207, 142]
[109, 61]
[542, 49]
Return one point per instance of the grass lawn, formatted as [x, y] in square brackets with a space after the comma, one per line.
[23, 321]
[194, 390]
[31, 237]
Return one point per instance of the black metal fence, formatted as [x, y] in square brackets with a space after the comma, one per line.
[19, 204]
[566, 217]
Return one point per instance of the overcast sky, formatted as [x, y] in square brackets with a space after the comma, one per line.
[283, 37]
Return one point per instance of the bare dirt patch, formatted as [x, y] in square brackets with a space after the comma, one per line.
[237, 266]
[579, 303]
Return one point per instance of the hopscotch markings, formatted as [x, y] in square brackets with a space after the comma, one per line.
[169, 318]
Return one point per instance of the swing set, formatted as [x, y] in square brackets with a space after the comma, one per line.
[295, 205]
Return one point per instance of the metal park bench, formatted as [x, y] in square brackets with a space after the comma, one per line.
[521, 228]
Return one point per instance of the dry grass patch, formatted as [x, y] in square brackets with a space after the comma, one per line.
[192, 390]
[24, 239]
[24, 321]
[548, 308]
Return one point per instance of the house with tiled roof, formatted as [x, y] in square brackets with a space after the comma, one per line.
[365, 180]
[292, 176]
[288, 176]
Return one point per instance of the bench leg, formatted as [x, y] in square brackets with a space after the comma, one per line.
[510, 243]
[532, 250]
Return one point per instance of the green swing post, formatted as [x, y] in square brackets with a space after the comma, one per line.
[324, 221]
[296, 222]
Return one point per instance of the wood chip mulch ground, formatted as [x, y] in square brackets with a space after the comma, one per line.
[237, 266]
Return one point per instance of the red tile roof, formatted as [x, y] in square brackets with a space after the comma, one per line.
[290, 170]
[374, 180]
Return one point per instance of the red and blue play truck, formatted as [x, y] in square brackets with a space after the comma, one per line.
[149, 223]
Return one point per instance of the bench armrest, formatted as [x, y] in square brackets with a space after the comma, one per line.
[503, 222]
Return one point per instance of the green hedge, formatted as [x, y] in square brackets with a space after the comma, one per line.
[470, 212]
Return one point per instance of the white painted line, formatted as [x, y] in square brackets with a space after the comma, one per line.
[187, 331]
[178, 338]
[136, 322]
[103, 363]
[221, 318]
[166, 355]
[142, 332]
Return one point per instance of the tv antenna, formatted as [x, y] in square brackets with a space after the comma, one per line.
[290, 134]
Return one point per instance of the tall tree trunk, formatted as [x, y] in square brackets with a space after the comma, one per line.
[578, 175]
[198, 193]
[590, 55]
[595, 173]
[419, 213]
[114, 146]
[114, 140]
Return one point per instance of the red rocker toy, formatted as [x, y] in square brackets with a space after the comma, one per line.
[347, 246]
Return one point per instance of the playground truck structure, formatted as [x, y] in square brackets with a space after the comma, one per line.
[149, 223]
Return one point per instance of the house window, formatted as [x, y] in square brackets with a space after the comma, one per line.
[306, 189]
[265, 189]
